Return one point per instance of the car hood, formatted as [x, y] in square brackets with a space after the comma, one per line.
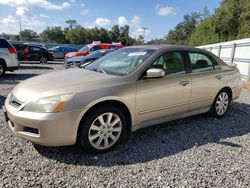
[62, 82]
[73, 54]
[70, 54]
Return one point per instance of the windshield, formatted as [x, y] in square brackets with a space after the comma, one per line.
[84, 48]
[53, 48]
[121, 62]
[97, 53]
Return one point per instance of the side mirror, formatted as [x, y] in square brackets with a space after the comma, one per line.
[155, 73]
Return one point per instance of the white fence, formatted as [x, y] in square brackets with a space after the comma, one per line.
[237, 51]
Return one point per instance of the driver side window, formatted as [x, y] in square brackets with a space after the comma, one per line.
[171, 63]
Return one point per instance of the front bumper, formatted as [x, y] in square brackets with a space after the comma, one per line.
[48, 129]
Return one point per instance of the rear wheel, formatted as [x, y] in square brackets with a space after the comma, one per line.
[2, 69]
[103, 130]
[43, 60]
[221, 103]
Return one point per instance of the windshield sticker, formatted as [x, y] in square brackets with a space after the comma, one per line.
[137, 53]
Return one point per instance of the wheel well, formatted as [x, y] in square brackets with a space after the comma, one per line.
[115, 103]
[229, 91]
[3, 62]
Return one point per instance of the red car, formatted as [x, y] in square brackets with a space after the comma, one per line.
[93, 47]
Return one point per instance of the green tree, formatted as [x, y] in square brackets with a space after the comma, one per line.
[54, 34]
[244, 30]
[181, 33]
[115, 33]
[71, 23]
[28, 34]
[157, 41]
[76, 35]
[230, 21]
[124, 35]
[104, 35]
[203, 34]
[226, 20]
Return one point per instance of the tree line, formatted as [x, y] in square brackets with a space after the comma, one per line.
[76, 34]
[229, 22]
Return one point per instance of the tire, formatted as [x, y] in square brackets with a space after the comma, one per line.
[98, 135]
[43, 60]
[2, 69]
[221, 103]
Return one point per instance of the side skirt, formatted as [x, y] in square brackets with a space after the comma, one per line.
[168, 118]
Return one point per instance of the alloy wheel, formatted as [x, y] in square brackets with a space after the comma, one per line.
[43, 60]
[222, 103]
[105, 131]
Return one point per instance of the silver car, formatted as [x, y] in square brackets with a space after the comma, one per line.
[8, 57]
[126, 90]
[60, 51]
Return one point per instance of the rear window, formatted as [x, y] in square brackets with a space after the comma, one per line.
[4, 44]
[202, 63]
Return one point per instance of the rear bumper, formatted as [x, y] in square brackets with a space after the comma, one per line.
[13, 68]
[236, 91]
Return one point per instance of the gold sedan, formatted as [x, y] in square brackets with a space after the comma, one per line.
[135, 87]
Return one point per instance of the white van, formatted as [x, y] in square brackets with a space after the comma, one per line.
[8, 57]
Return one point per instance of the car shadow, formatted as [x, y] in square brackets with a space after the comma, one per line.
[2, 99]
[162, 140]
[38, 63]
[28, 67]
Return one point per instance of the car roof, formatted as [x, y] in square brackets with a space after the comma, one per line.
[166, 47]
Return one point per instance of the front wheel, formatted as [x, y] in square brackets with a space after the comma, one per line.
[221, 103]
[103, 130]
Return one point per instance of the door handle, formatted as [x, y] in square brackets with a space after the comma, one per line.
[184, 83]
[219, 77]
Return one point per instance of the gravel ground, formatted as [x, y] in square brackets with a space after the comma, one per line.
[199, 151]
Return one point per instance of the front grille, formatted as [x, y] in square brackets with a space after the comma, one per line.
[14, 101]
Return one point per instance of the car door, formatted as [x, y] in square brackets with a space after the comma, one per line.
[57, 52]
[168, 96]
[34, 53]
[206, 75]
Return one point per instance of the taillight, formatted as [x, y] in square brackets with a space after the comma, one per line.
[26, 50]
[12, 50]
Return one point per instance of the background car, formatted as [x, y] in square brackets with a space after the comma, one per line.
[36, 44]
[8, 57]
[81, 60]
[59, 52]
[30, 52]
[89, 48]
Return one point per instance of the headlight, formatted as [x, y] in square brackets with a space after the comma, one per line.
[48, 104]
